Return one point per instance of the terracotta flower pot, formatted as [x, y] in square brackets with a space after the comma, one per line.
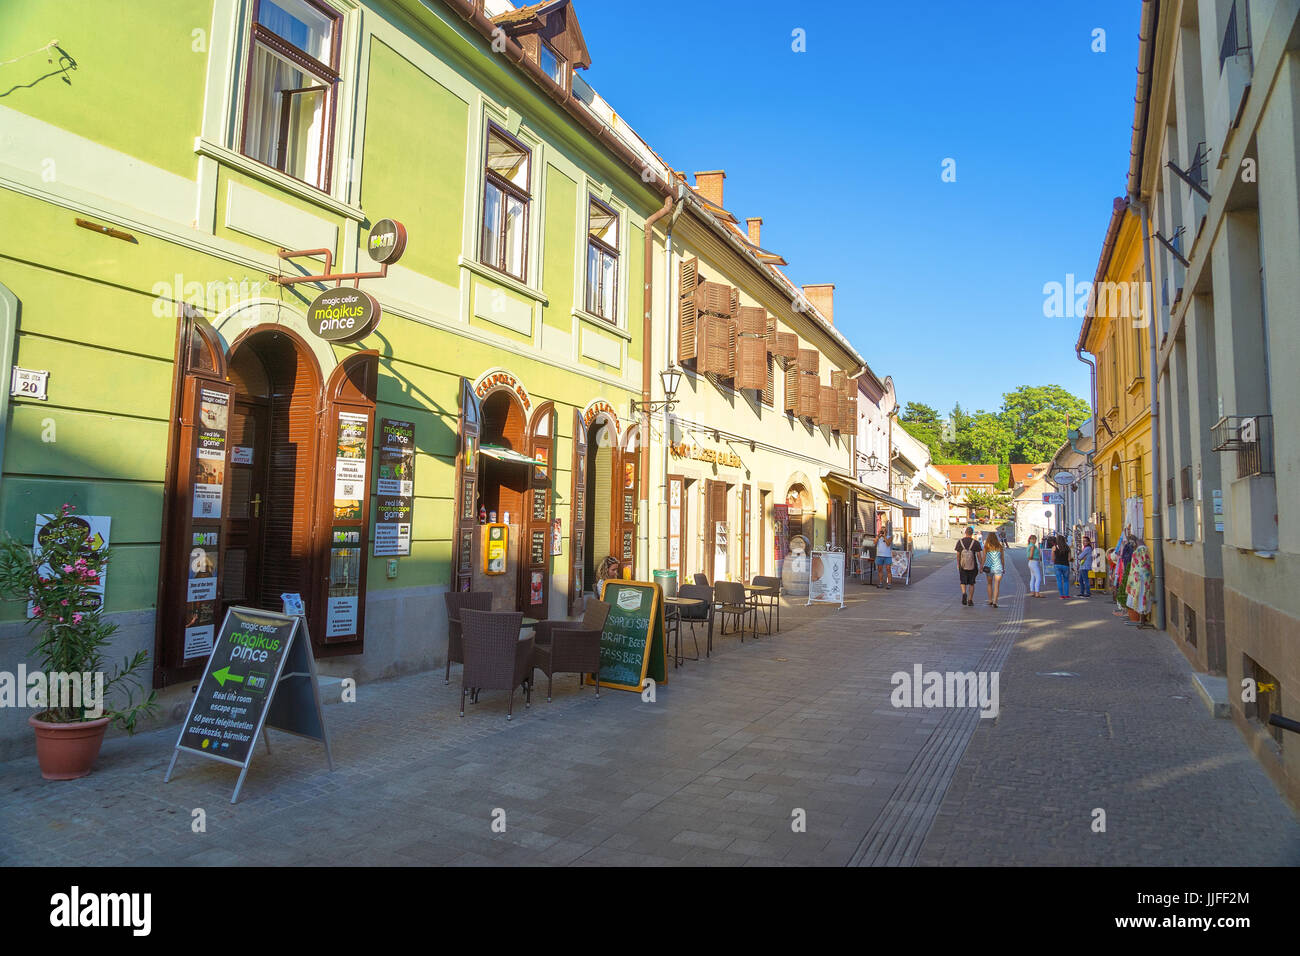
[1134, 615]
[68, 751]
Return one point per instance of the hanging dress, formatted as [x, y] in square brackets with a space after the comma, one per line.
[1139, 592]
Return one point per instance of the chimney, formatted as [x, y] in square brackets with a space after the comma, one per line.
[709, 185]
[755, 227]
[823, 299]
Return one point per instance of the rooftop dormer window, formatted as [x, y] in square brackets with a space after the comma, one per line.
[552, 63]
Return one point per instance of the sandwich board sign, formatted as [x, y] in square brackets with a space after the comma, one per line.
[261, 674]
[632, 645]
[826, 578]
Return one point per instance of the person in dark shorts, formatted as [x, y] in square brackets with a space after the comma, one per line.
[968, 566]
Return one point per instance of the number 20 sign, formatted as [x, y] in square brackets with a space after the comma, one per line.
[29, 384]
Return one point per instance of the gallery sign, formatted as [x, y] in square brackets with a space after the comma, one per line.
[713, 455]
[343, 315]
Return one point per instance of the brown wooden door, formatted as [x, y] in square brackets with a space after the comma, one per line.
[195, 504]
[578, 513]
[249, 453]
[465, 519]
[716, 514]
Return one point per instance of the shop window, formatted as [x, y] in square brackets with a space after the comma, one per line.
[290, 88]
[506, 198]
[602, 261]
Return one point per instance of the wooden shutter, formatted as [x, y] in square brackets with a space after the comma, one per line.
[578, 512]
[687, 317]
[839, 378]
[731, 350]
[198, 387]
[465, 519]
[792, 376]
[535, 549]
[713, 298]
[752, 321]
[337, 615]
[769, 374]
[715, 345]
[751, 363]
[809, 384]
[828, 406]
[784, 344]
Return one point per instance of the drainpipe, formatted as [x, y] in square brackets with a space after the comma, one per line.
[647, 351]
[1157, 528]
[668, 358]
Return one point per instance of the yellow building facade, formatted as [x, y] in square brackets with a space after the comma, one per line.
[1115, 332]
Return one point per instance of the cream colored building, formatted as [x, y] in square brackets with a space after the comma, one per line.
[740, 475]
[1215, 176]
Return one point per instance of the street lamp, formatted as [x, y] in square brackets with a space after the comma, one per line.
[671, 377]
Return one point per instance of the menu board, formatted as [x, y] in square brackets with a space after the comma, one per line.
[632, 645]
[826, 577]
[396, 488]
[242, 670]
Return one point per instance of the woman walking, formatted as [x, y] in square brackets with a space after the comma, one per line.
[1085, 567]
[1034, 557]
[993, 565]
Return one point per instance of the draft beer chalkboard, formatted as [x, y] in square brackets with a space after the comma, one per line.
[632, 645]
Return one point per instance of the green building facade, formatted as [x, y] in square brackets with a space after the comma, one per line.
[153, 165]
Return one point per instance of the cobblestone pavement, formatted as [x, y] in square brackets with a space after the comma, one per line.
[1097, 714]
[734, 752]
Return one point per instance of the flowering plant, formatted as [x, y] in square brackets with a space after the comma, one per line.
[59, 585]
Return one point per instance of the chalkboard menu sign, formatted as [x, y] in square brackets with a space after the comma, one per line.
[261, 674]
[632, 644]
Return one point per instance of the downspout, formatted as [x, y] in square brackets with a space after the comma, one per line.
[668, 359]
[1157, 525]
[647, 351]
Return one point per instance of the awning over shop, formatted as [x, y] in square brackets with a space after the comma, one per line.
[506, 455]
[830, 476]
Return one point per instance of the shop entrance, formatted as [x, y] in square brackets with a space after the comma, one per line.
[272, 466]
[801, 517]
[602, 443]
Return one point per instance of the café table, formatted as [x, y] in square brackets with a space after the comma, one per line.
[673, 618]
[753, 591]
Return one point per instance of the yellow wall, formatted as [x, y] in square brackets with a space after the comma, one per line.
[1119, 338]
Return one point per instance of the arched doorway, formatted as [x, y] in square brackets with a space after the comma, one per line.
[800, 513]
[504, 482]
[600, 519]
[272, 469]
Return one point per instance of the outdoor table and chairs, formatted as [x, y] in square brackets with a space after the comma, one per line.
[571, 647]
[458, 601]
[765, 597]
[730, 601]
[495, 656]
[687, 606]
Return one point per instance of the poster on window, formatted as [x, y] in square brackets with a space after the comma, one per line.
[214, 417]
[557, 537]
[392, 539]
[396, 458]
[780, 531]
[344, 583]
[350, 466]
[202, 582]
[535, 588]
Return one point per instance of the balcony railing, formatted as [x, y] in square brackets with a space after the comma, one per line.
[1256, 457]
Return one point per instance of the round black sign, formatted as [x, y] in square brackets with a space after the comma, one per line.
[65, 531]
[387, 241]
[343, 315]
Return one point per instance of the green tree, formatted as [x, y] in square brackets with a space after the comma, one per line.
[1036, 416]
[990, 440]
[994, 502]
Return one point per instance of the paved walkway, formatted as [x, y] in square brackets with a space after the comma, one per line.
[723, 768]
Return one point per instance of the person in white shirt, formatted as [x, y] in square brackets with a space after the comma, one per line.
[884, 561]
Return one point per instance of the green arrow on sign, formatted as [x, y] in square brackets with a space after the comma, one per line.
[224, 675]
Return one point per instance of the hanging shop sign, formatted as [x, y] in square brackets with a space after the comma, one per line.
[343, 314]
[396, 488]
[61, 531]
[260, 674]
[497, 379]
[715, 456]
[387, 241]
[632, 645]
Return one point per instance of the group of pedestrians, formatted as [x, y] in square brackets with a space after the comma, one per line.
[989, 556]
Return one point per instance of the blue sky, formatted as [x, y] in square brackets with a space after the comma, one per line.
[839, 150]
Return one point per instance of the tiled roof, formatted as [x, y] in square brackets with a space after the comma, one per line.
[970, 474]
[1022, 473]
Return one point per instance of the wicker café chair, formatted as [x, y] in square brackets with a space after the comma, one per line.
[696, 613]
[767, 602]
[571, 647]
[458, 601]
[730, 601]
[495, 656]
